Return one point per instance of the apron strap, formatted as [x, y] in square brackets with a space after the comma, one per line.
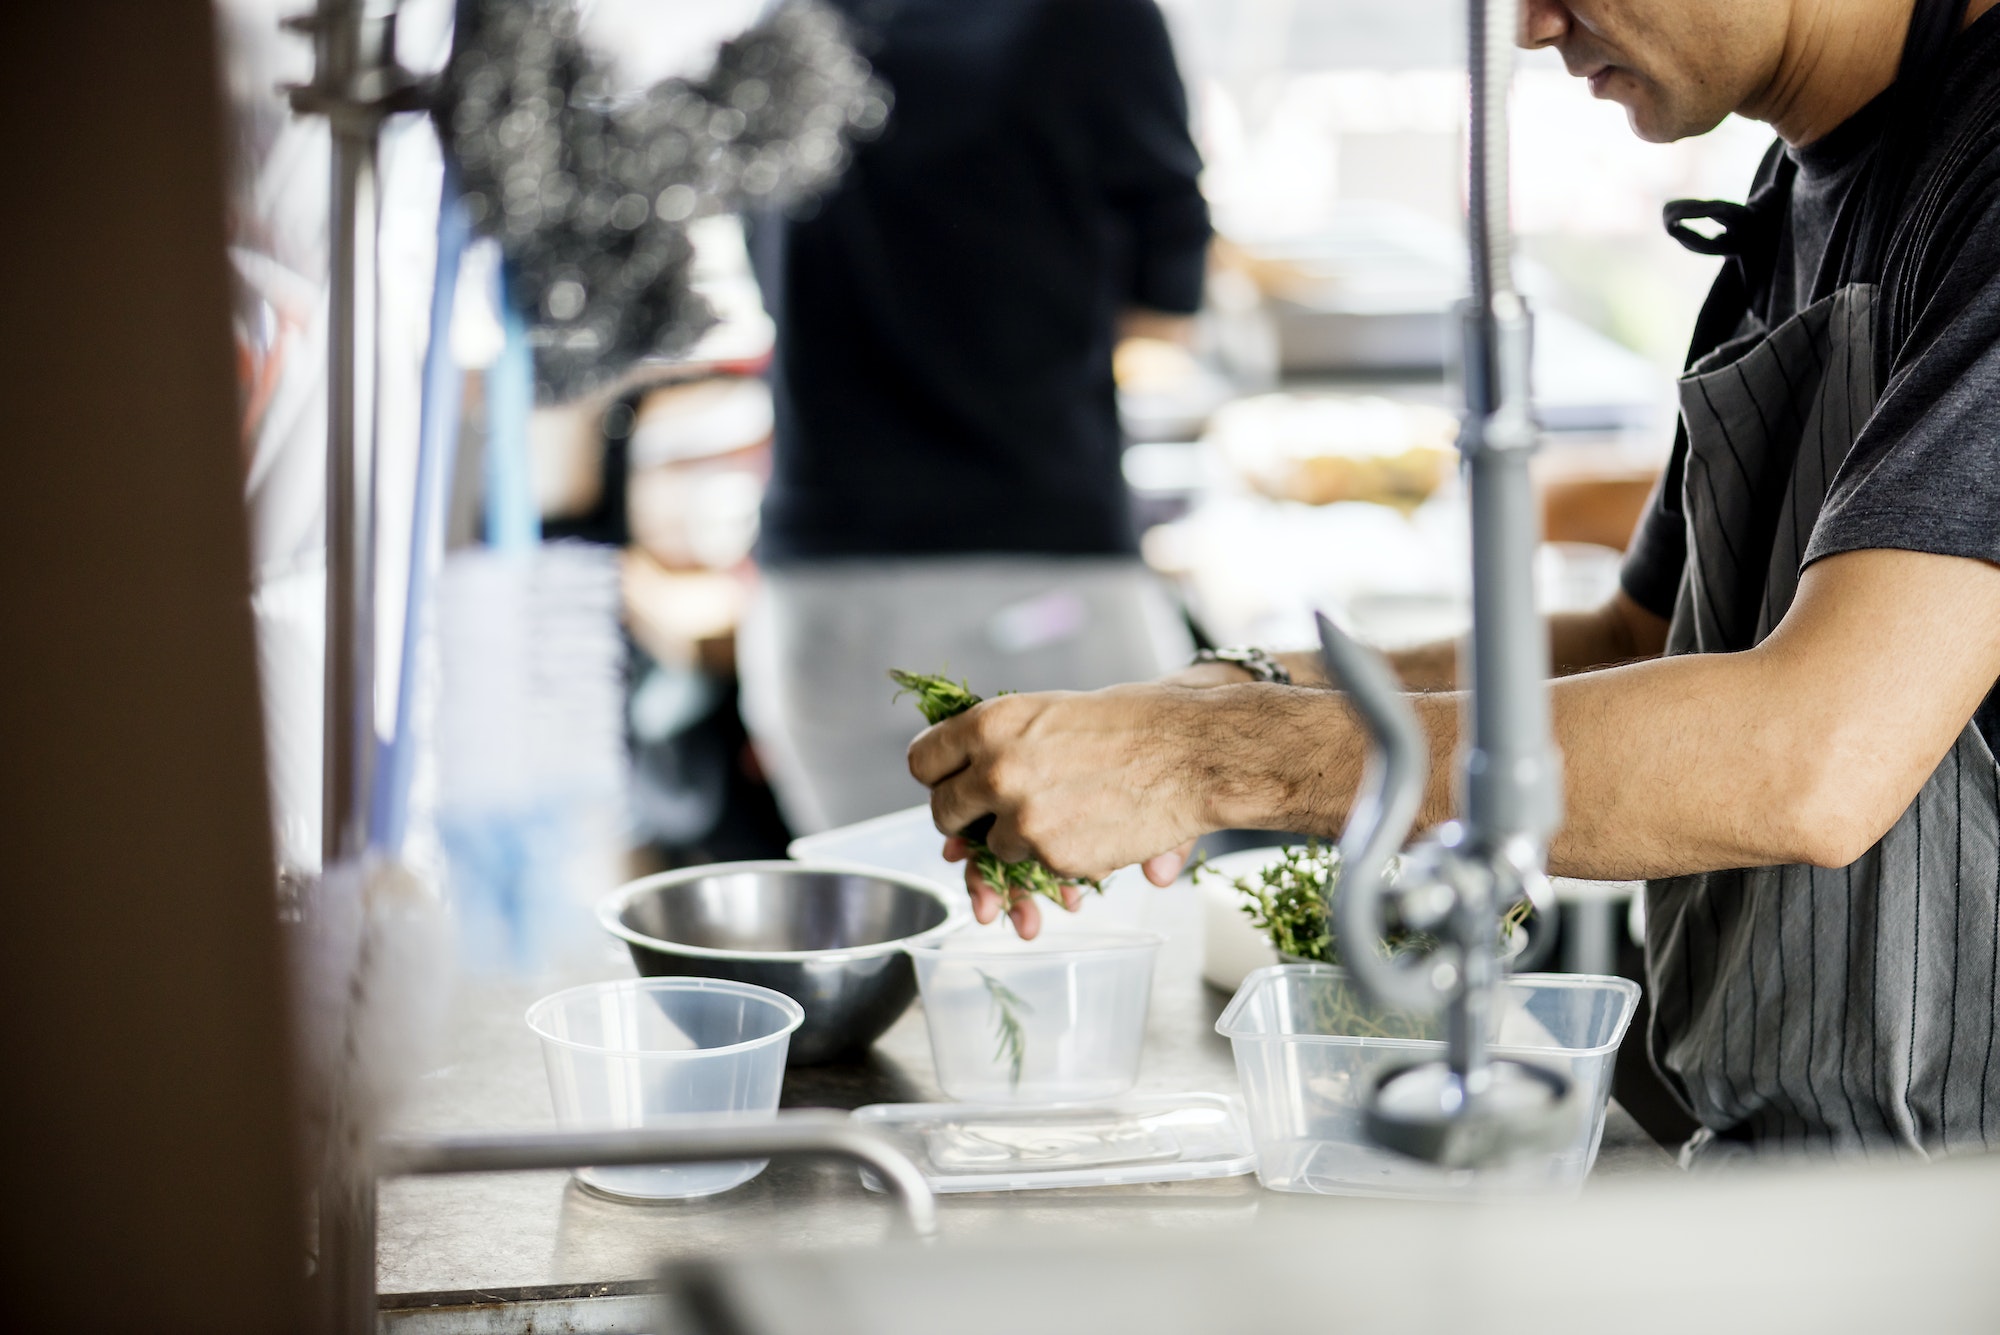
[1747, 238]
[1732, 220]
[1912, 103]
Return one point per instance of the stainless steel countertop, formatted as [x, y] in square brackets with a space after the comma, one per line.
[540, 1231]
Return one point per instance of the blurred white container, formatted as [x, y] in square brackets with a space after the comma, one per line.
[1060, 1019]
[1231, 948]
[1304, 1081]
[650, 1052]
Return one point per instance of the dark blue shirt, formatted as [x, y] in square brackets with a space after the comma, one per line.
[946, 317]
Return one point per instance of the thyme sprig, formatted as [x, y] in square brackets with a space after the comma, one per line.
[1012, 1040]
[939, 698]
[1289, 901]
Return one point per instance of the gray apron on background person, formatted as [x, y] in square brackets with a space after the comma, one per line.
[818, 643]
[1799, 1008]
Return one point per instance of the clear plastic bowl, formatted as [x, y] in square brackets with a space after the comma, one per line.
[1304, 1079]
[1061, 1019]
[648, 1052]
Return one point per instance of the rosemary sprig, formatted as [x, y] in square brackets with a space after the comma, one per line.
[939, 698]
[1012, 1045]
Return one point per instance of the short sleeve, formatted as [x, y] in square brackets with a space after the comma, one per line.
[1654, 559]
[1924, 473]
[1146, 157]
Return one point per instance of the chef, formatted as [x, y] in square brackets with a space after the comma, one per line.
[1786, 718]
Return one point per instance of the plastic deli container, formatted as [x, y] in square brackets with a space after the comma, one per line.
[650, 1052]
[1306, 1071]
[1007, 1147]
[1060, 1019]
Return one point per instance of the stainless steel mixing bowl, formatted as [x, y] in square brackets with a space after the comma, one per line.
[829, 937]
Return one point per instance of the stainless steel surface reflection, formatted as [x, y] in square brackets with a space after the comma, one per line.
[830, 938]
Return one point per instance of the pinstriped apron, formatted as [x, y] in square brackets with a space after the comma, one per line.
[1796, 1007]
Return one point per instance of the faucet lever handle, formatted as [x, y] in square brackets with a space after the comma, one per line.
[1385, 809]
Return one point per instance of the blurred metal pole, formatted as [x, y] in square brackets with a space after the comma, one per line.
[356, 83]
[1513, 792]
[1513, 795]
[1471, 1108]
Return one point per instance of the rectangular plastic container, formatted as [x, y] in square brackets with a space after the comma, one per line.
[1304, 1081]
[1006, 1147]
[904, 841]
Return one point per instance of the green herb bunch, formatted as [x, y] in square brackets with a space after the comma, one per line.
[939, 698]
[1289, 901]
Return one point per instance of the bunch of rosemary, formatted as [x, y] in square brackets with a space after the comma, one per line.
[1289, 900]
[940, 698]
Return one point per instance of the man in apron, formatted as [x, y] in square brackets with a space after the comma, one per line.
[1786, 720]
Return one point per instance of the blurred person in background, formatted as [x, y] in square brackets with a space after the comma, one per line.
[947, 492]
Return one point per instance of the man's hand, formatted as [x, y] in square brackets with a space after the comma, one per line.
[1085, 782]
[1025, 911]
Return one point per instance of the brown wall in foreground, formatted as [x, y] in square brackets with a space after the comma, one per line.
[146, 1171]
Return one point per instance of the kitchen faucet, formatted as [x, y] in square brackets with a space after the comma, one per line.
[1468, 1109]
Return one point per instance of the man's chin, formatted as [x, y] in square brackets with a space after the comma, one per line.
[1649, 126]
[1653, 118]
[1650, 119]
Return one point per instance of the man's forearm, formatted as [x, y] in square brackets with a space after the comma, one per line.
[1669, 766]
[1679, 765]
[1290, 758]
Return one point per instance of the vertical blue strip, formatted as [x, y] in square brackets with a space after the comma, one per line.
[512, 522]
[437, 440]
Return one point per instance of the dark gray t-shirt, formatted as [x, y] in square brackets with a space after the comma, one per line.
[1924, 474]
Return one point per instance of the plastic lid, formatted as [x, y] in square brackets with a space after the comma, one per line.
[1006, 1147]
